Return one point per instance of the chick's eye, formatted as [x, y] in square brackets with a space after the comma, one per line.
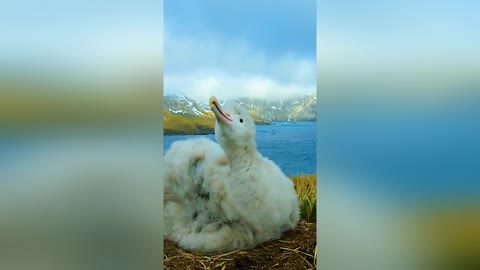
[241, 120]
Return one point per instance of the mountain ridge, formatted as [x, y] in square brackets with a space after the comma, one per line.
[301, 108]
[183, 115]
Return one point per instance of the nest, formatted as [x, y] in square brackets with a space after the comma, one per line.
[295, 250]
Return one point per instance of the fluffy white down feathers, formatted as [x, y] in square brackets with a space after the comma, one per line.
[226, 196]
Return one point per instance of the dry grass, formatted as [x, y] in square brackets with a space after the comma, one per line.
[306, 187]
[295, 250]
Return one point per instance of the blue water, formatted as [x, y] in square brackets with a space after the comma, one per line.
[292, 146]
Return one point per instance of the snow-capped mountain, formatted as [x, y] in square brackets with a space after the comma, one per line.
[180, 104]
[292, 109]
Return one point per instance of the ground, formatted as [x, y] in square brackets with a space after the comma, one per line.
[295, 250]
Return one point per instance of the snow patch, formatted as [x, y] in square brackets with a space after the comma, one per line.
[176, 111]
[195, 111]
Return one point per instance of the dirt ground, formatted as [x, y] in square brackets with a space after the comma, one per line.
[295, 250]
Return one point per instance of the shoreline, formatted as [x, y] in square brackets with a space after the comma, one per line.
[211, 131]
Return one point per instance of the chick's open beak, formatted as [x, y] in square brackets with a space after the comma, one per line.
[222, 116]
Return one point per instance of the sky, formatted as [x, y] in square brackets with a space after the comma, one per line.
[258, 49]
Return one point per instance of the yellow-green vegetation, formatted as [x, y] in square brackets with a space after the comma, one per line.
[183, 124]
[259, 120]
[201, 124]
[306, 188]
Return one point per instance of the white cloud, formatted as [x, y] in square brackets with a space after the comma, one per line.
[201, 86]
[206, 64]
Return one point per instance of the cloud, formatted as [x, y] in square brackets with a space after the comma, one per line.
[204, 64]
[202, 85]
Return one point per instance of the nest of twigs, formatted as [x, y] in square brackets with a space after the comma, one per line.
[295, 250]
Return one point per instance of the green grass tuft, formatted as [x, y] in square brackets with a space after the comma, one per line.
[306, 188]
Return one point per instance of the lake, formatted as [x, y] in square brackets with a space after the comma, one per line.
[292, 146]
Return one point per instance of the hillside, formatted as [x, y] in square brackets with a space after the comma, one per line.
[183, 124]
[301, 108]
[180, 124]
[183, 115]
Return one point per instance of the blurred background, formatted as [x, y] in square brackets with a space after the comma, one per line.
[398, 128]
[80, 134]
[81, 88]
